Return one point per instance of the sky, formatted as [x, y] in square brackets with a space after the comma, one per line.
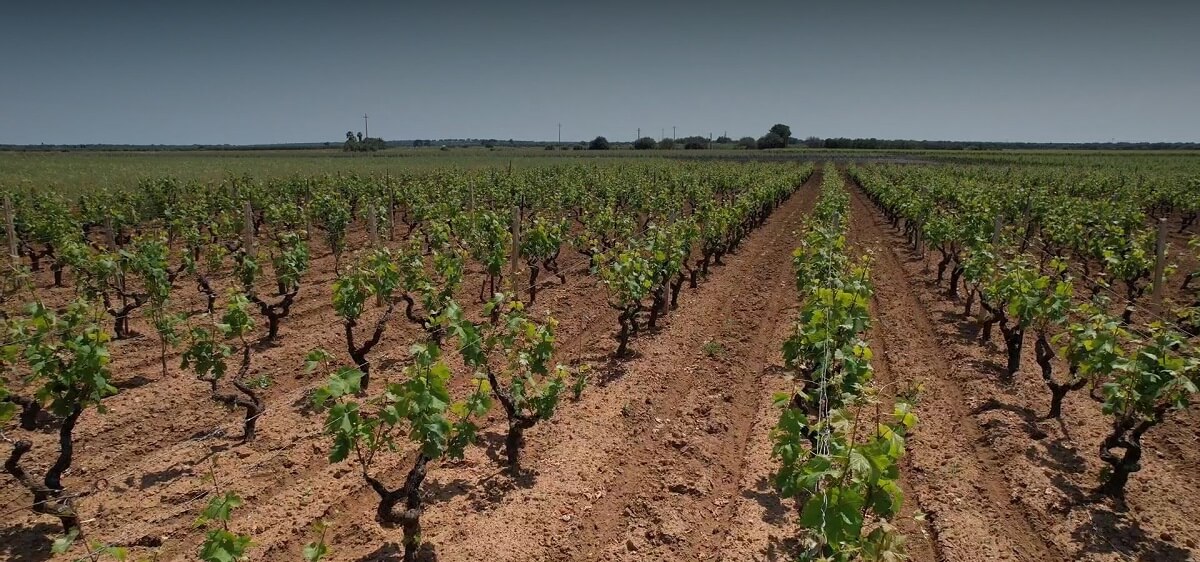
[215, 72]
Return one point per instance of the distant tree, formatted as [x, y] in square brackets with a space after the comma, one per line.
[578, 147]
[644, 143]
[549, 147]
[360, 136]
[747, 142]
[782, 131]
[694, 143]
[724, 140]
[418, 143]
[814, 142]
[666, 144]
[598, 143]
[771, 140]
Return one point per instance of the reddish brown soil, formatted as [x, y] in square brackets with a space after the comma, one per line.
[996, 481]
[666, 457]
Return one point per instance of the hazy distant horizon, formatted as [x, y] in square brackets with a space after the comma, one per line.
[300, 72]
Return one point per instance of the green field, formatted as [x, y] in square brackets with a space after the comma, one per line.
[82, 170]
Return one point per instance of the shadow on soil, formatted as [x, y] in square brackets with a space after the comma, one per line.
[20, 543]
[393, 552]
[1113, 533]
[781, 549]
[968, 330]
[482, 495]
[607, 369]
[1029, 419]
[765, 495]
[167, 475]
[133, 382]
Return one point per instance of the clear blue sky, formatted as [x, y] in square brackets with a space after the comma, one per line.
[264, 71]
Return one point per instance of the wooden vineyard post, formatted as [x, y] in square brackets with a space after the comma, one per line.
[391, 214]
[248, 228]
[1160, 262]
[373, 226]
[110, 234]
[515, 254]
[10, 230]
[308, 207]
[921, 241]
[996, 226]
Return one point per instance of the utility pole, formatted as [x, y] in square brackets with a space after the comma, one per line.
[366, 131]
[639, 134]
[672, 133]
[710, 141]
[662, 134]
[560, 133]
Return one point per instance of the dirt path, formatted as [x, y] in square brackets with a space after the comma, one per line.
[958, 478]
[690, 400]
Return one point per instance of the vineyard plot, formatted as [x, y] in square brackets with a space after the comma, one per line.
[649, 349]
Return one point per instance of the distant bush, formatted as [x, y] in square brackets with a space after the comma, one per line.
[549, 147]
[598, 143]
[666, 144]
[356, 143]
[694, 143]
[724, 140]
[578, 147]
[644, 143]
[747, 142]
[771, 140]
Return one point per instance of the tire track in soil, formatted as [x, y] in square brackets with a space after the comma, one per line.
[673, 487]
[958, 479]
[922, 539]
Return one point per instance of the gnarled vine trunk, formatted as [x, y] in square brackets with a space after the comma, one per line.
[408, 518]
[1058, 391]
[247, 400]
[48, 495]
[359, 352]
